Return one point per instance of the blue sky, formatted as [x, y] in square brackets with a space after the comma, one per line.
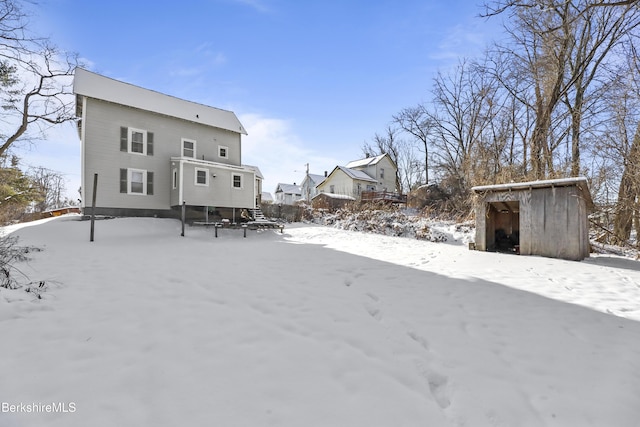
[310, 80]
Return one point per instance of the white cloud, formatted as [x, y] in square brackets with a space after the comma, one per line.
[281, 155]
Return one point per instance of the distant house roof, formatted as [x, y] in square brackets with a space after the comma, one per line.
[365, 162]
[267, 197]
[94, 85]
[317, 179]
[355, 174]
[256, 170]
[289, 189]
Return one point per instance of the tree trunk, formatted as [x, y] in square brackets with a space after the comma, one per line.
[628, 192]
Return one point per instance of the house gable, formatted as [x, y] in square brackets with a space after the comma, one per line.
[381, 168]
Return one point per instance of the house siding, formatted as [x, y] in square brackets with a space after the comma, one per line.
[343, 184]
[387, 183]
[219, 192]
[101, 152]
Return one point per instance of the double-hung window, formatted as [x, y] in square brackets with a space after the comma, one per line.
[136, 141]
[136, 181]
[201, 176]
[223, 152]
[237, 181]
[188, 148]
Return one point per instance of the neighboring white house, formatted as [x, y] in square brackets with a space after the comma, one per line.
[382, 168]
[288, 194]
[309, 184]
[369, 174]
[349, 182]
[152, 152]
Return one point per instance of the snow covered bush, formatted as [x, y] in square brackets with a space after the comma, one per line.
[10, 254]
[392, 221]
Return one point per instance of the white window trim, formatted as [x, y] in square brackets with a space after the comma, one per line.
[182, 141]
[130, 141]
[226, 150]
[233, 175]
[206, 177]
[174, 178]
[130, 173]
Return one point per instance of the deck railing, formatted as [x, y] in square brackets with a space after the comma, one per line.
[383, 196]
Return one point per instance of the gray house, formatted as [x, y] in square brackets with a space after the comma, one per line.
[546, 218]
[152, 152]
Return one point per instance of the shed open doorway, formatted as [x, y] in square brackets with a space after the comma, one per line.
[503, 226]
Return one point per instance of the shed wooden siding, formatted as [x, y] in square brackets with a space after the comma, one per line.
[101, 151]
[552, 220]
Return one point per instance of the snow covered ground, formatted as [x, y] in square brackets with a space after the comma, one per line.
[313, 327]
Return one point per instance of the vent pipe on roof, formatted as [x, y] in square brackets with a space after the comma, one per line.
[325, 174]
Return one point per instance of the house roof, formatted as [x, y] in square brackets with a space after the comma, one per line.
[289, 189]
[267, 197]
[365, 162]
[92, 85]
[317, 179]
[256, 170]
[355, 174]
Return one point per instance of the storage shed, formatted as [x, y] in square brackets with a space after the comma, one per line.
[546, 218]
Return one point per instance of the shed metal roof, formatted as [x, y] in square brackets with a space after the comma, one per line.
[580, 182]
[92, 85]
[562, 182]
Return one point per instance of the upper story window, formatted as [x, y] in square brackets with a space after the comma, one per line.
[137, 141]
[223, 151]
[188, 148]
[381, 173]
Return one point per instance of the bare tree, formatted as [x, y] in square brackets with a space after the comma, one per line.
[417, 122]
[51, 185]
[500, 6]
[560, 47]
[35, 80]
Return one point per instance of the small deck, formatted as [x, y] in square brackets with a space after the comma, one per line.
[383, 196]
[249, 225]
